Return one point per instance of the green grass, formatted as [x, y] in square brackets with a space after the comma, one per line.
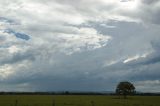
[69, 100]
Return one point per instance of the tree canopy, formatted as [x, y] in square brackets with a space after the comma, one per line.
[125, 88]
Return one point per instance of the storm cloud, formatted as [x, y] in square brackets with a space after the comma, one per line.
[79, 45]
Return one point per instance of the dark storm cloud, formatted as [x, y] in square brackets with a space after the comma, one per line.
[17, 57]
[152, 58]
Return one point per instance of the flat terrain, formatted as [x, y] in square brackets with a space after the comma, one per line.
[76, 100]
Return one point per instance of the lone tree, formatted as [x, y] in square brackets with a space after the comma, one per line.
[125, 88]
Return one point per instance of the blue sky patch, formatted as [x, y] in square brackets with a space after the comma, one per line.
[18, 34]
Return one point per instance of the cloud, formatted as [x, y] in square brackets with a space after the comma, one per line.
[153, 85]
[5, 20]
[150, 1]
[148, 58]
[78, 45]
[5, 71]
[153, 8]
[134, 58]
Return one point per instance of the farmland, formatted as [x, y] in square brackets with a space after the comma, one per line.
[77, 100]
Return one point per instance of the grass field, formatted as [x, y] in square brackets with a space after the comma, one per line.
[69, 100]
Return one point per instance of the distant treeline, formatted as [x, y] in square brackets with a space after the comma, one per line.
[55, 93]
[73, 93]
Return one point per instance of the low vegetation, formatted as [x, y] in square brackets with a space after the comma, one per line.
[77, 100]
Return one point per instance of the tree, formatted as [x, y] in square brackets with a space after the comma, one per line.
[125, 88]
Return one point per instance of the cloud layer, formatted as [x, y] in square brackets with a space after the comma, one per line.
[79, 45]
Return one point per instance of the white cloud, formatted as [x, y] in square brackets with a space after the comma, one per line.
[111, 63]
[13, 49]
[136, 57]
[148, 85]
[5, 71]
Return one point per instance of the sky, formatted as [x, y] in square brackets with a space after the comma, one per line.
[79, 45]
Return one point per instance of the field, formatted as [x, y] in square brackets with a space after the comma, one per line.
[76, 100]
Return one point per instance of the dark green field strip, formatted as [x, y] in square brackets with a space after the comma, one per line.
[75, 100]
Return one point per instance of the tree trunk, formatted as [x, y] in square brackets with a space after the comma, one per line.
[125, 96]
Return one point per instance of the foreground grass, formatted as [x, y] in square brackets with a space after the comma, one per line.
[76, 100]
